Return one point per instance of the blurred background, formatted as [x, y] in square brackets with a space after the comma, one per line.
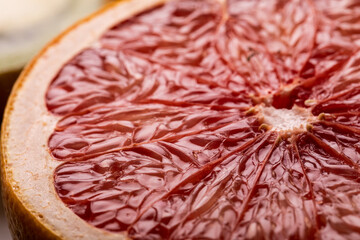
[25, 27]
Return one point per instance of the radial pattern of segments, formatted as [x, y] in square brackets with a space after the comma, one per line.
[161, 136]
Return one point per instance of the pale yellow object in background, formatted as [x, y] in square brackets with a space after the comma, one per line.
[26, 25]
[17, 15]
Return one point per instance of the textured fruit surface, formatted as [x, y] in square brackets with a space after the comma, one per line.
[169, 126]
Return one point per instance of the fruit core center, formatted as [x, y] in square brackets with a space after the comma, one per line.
[294, 119]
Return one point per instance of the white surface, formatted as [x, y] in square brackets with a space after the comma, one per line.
[24, 30]
[286, 119]
[21, 14]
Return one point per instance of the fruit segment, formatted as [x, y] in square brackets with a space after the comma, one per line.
[282, 194]
[272, 40]
[335, 189]
[215, 120]
[114, 127]
[155, 175]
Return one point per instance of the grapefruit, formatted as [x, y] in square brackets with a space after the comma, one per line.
[190, 120]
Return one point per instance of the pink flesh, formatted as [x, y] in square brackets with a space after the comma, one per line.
[156, 140]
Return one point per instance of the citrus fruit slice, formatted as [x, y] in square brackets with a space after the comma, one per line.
[190, 120]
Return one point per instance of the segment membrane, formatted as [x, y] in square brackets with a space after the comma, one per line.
[160, 135]
[336, 191]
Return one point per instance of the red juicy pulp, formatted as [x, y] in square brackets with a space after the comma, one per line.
[157, 141]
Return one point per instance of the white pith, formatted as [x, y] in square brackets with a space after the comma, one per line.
[295, 119]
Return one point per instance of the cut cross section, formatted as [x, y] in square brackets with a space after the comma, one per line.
[170, 130]
[196, 119]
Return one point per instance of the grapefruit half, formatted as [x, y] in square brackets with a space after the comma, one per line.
[190, 120]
